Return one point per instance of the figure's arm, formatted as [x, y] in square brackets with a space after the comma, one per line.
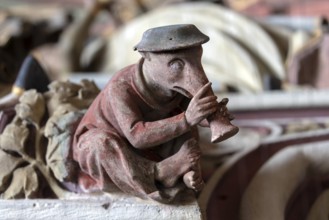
[185, 103]
[145, 134]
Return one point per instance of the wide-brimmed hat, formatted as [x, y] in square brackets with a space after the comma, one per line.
[171, 37]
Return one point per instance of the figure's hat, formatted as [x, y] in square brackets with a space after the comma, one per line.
[172, 37]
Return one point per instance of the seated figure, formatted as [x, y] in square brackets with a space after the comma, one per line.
[140, 132]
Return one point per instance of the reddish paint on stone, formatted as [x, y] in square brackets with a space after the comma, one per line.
[140, 132]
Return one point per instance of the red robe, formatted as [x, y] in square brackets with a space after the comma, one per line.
[125, 130]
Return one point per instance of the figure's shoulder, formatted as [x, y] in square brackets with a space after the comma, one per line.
[122, 80]
[124, 75]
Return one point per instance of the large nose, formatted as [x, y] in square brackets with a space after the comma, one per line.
[195, 78]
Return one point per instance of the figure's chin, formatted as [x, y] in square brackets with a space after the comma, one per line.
[183, 92]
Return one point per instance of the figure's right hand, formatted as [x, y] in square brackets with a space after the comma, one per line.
[201, 106]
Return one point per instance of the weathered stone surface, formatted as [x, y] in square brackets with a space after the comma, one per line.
[59, 131]
[118, 207]
[35, 146]
[24, 184]
[8, 164]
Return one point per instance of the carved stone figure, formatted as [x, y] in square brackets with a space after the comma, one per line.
[140, 132]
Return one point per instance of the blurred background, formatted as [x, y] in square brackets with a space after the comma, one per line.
[269, 57]
[255, 45]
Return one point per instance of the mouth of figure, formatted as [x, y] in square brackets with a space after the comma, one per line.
[183, 92]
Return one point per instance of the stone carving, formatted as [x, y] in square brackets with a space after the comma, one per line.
[139, 135]
[35, 146]
[140, 132]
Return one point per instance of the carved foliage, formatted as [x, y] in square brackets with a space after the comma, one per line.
[59, 131]
[14, 137]
[24, 184]
[35, 150]
[18, 177]
[8, 164]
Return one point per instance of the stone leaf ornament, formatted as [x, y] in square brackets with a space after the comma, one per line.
[59, 131]
[9, 141]
[24, 184]
[34, 147]
[8, 164]
[31, 107]
[14, 143]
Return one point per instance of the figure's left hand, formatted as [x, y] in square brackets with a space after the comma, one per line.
[201, 107]
[223, 111]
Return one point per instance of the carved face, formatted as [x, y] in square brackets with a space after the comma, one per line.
[177, 71]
